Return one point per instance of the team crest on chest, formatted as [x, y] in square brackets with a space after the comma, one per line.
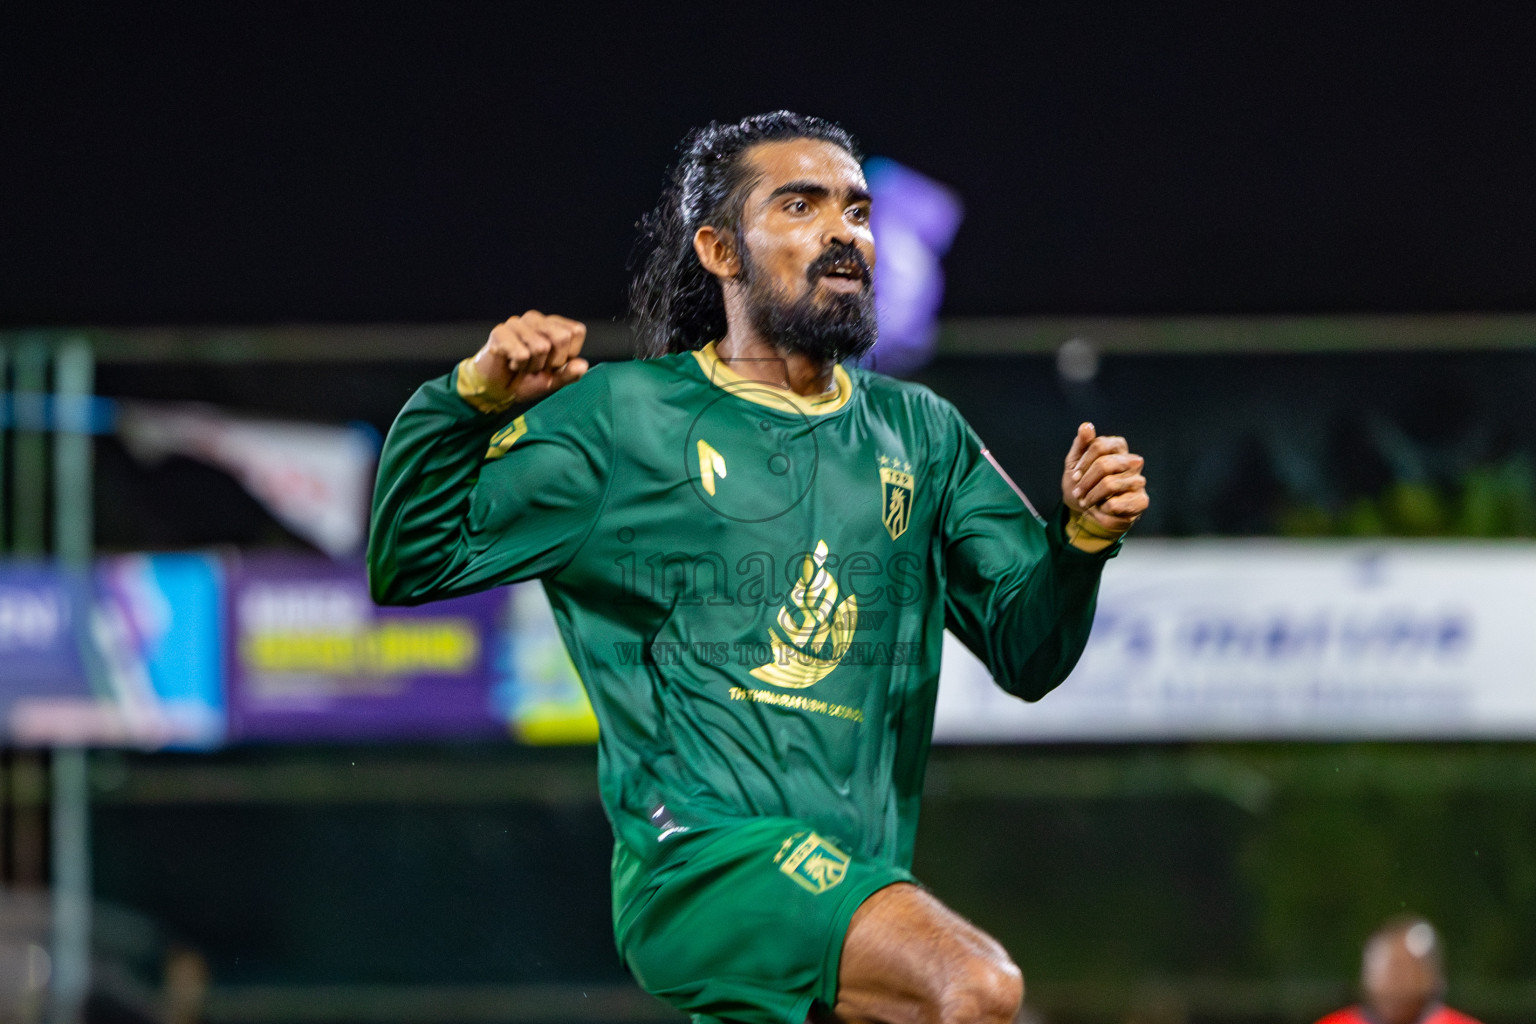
[896, 482]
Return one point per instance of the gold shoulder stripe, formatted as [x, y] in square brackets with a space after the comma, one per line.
[503, 440]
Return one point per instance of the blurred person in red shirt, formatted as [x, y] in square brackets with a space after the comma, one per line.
[1402, 978]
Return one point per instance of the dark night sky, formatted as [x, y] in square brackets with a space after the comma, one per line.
[348, 162]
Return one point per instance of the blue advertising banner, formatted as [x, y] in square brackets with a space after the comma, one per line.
[125, 655]
[39, 635]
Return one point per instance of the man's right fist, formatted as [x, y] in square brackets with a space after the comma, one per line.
[525, 358]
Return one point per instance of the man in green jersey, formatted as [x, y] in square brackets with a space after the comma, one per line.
[753, 552]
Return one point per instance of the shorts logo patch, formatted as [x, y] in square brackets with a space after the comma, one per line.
[813, 862]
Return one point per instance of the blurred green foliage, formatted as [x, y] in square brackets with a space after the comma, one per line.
[1246, 880]
[1493, 500]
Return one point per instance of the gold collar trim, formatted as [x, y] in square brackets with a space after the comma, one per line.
[722, 376]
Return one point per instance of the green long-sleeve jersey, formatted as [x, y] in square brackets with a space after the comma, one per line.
[753, 585]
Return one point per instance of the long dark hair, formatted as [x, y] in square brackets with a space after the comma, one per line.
[675, 304]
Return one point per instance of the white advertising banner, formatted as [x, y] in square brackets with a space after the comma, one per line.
[1277, 639]
[314, 478]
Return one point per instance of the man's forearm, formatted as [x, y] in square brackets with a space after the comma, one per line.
[1045, 626]
[427, 470]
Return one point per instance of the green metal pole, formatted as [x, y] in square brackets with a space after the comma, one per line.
[29, 490]
[74, 376]
[71, 886]
[74, 379]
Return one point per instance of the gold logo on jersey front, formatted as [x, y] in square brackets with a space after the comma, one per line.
[896, 482]
[813, 629]
[813, 862]
[711, 465]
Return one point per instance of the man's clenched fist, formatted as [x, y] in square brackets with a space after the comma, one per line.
[525, 358]
[1103, 488]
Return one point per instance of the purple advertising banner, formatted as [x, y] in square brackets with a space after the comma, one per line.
[312, 657]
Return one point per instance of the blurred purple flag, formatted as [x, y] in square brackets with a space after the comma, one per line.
[914, 220]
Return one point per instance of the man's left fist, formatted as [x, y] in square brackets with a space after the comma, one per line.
[1102, 487]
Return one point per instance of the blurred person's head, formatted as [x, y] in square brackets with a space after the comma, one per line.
[1402, 973]
[765, 221]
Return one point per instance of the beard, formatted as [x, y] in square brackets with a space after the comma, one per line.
[831, 328]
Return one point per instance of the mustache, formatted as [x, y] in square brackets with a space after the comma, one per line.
[838, 253]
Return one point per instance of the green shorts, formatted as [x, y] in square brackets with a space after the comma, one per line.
[749, 927]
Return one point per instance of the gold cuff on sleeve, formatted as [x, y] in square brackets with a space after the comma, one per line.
[479, 392]
[1086, 535]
